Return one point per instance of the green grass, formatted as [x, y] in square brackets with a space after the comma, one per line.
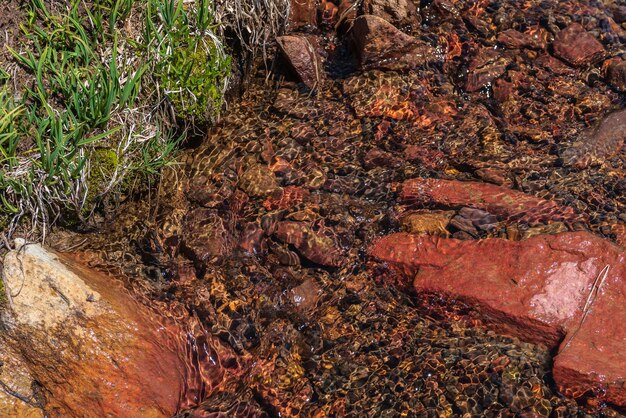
[91, 124]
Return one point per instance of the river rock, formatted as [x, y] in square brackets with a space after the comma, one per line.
[92, 348]
[398, 12]
[302, 58]
[534, 289]
[616, 74]
[316, 246]
[381, 45]
[592, 359]
[505, 203]
[567, 289]
[577, 46]
[599, 144]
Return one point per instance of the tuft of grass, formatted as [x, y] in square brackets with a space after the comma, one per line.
[190, 63]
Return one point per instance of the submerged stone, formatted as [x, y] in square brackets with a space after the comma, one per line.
[506, 203]
[577, 46]
[381, 45]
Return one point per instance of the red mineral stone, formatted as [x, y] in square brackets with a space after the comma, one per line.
[286, 198]
[567, 289]
[592, 359]
[577, 46]
[380, 45]
[505, 203]
[314, 245]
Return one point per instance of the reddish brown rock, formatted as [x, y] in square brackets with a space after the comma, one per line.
[316, 246]
[485, 67]
[598, 144]
[593, 362]
[515, 39]
[302, 13]
[398, 12]
[506, 203]
[577, 46]
[380, 45]
[616, 74]
[302, 58]
[533, 289]
[286, 198]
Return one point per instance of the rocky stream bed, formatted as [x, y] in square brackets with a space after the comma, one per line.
[421, 213]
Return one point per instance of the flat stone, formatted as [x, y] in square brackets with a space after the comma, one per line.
[505, 203]
[577, 46]
[593, 362]
[381, 45]
[567, 289]
[302, 58]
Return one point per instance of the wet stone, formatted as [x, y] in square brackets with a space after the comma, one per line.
[577, 46]
[303, 59]
[381, 45]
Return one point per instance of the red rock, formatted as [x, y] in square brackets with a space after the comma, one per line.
[398, 12]
[506, 203]
[380, 45]
[515, 39]
[485, 67]
[302, 13]
[577, 46]
[303, 59]
[533, 289]
[594, 361]
[286, 198]
[314, 245]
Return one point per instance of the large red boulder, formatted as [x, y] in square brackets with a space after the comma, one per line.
[506, 203]
[567, 289]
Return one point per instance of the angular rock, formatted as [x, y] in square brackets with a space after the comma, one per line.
[616, 74]
[314, 245]
[485, 67]
[93, 349]
[505, 203]
[534, 289]
[593, 362]
[302, 58]
[380, 45]
[302, 13]
[514, 39]
[398, 12]
[577, 46]
[598, 144]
